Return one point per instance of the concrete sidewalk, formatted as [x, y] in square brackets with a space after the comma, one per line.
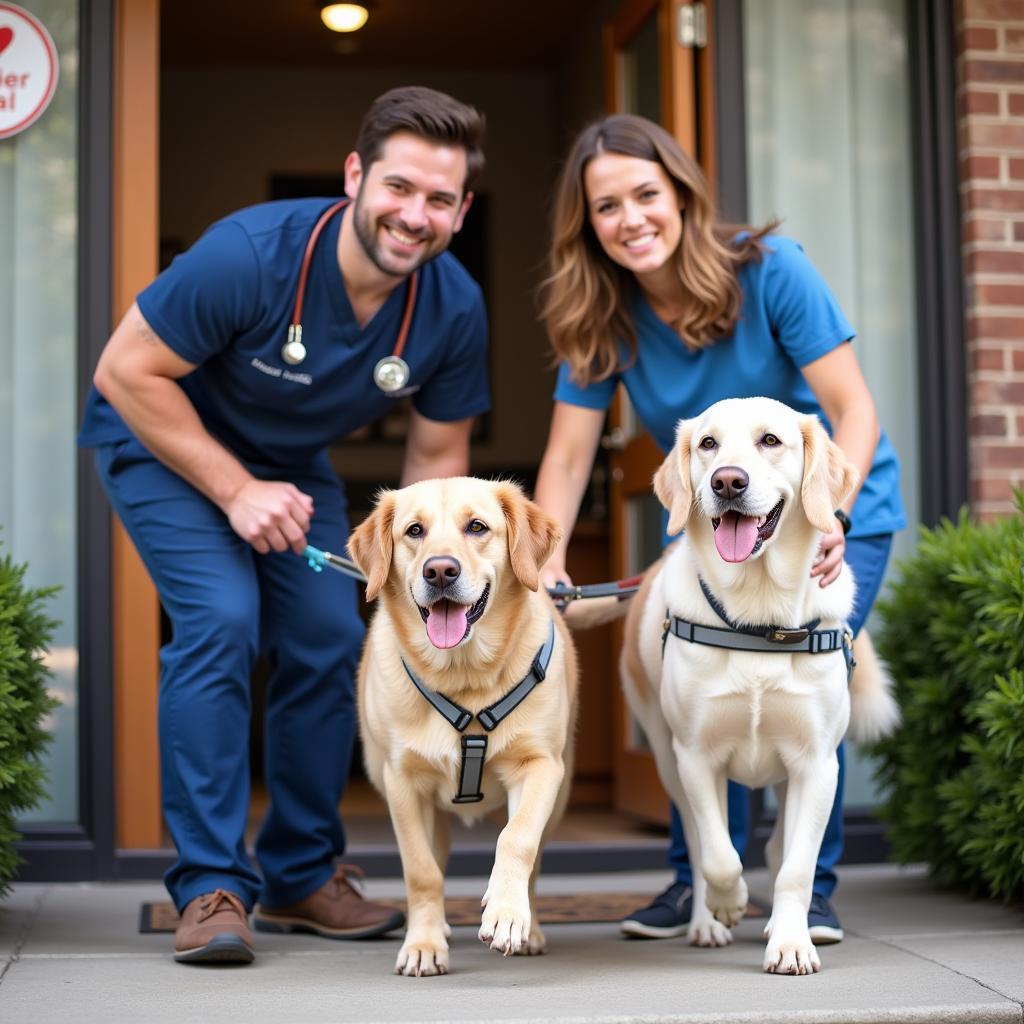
[71, 953]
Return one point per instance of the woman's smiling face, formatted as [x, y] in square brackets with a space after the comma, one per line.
[635, 211]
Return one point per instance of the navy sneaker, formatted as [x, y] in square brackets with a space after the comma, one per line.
[665, 917]
[822, 922]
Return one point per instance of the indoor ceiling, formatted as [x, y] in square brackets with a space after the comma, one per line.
[413, 33]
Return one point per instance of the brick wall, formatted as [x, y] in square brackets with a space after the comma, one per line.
[990, 81]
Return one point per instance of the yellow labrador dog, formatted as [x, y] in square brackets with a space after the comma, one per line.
[467, 695]
[718, 664]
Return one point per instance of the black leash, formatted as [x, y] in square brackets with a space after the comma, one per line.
[562, 593]
[621, 589]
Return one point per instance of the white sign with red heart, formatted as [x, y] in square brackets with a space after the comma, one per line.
[28, 69]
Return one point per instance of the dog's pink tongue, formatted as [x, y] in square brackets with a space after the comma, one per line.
[446, 623]
[736, 536]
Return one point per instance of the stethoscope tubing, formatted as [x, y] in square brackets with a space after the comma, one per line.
[307, 258]
[392, 372]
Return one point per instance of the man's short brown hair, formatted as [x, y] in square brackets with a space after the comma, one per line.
[432, 115]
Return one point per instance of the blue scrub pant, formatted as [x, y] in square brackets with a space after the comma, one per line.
[867, 556]
[227, 604]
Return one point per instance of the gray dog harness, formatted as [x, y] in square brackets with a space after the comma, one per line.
[807, 639]
[474, 746]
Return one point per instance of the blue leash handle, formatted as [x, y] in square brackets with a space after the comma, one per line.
[317, 560]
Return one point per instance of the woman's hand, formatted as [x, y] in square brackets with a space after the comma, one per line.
[829, 562]
[551, 576]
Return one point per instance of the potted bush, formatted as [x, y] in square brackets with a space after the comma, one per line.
[954, 639]
[25, 633]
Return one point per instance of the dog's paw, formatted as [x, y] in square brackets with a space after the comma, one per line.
[536, 943]
[728, 905]
[793, 955]
[706, 931]
[506, 926]
[422, 958]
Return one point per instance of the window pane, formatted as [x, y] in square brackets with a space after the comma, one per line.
[828, 144]
[38, 390]
[641, 72]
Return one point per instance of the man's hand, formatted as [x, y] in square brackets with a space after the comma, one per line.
[829, 561]
[271, 516]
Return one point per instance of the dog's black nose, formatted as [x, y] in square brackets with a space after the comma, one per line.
[729, 481]
[441, 570]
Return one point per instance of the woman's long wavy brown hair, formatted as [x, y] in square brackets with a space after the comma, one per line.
[586, 299]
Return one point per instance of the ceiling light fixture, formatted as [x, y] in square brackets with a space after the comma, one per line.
[344, 17]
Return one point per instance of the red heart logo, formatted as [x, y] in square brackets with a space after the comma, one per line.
[6, 35]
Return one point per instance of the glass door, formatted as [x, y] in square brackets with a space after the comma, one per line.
[38, 390]
[829, 152]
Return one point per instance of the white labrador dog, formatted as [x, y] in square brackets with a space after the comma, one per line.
[755, 484]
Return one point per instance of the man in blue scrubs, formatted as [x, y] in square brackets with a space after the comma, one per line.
[211, 441]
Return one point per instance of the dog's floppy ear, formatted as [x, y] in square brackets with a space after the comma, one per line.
[532, 534]
[370, 544]
[829, 476]
[672, 481]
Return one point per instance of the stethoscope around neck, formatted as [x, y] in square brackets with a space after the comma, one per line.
[392, 372]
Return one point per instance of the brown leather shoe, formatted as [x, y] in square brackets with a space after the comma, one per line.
[214, 928]
[336, 910]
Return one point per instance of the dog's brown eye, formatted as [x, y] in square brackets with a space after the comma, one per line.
[770, 441]
[708, 443]
[477, 527]
[414, 530]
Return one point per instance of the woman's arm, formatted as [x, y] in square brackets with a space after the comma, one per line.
[842, 392]
[564, 473]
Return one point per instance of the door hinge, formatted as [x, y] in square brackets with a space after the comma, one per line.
[693, 26]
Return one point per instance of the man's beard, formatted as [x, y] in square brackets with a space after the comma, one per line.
[367, 238]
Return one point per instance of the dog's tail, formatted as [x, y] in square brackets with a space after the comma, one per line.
[595, 611]
[874, 712]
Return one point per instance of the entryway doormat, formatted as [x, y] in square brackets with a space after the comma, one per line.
[580, 908]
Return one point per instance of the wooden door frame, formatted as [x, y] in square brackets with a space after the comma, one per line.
[678, 62]
[637, 787]
[135, 610]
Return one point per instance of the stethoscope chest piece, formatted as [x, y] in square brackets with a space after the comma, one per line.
[391, 373]
[293, 351]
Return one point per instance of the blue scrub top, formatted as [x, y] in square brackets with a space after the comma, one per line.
[788, 318]
[226, 304]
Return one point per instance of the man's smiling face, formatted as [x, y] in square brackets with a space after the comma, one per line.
[409, 202]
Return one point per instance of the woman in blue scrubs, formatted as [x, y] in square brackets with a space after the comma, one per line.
[211, 418]
[648, 288]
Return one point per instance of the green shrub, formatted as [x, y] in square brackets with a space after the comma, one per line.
[953, 635]
[25, 633]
